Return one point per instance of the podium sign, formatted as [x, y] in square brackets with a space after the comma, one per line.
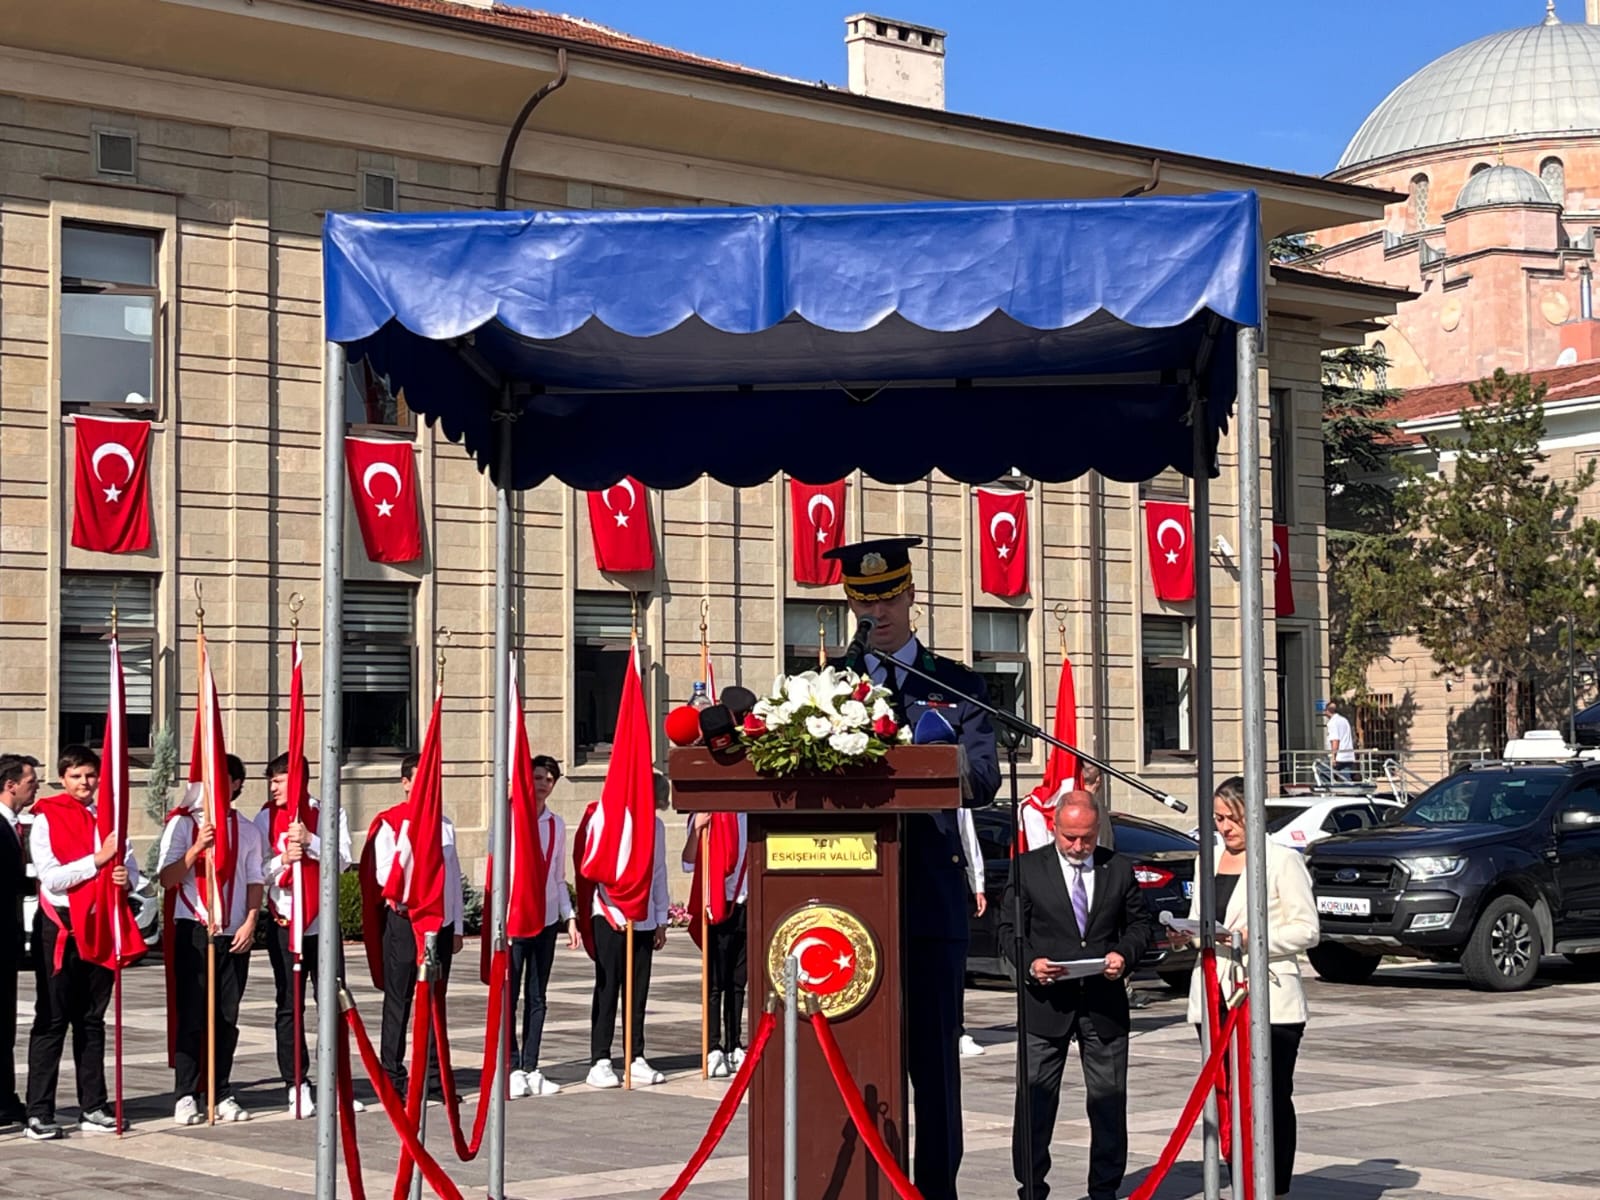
[825, 881]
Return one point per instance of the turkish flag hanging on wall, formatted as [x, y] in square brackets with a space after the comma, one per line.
[817, 513]
[1003, 542]
[111, 485]
[619, 518]
[1283, 580]
[383, 486]
[1169, 541]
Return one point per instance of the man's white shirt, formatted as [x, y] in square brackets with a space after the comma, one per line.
[280, 894]
[552, 834]
[383, 854]
[176, 839]
[974, 851]
[659, 900]
[1339, 730]
[1069, 872]
[56, 879]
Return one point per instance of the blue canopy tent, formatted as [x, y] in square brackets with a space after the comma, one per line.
[1056, 337]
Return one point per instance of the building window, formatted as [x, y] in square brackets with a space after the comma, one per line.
[1168, 670]
[1500, 710]
[800, 634]
[116, 152]
[1170, 484]
[602, 636]
[1554, 177]
[1377, 727]
[379, 192]
[1419, 200]
[380, 656]
[1000, 655]
[109, 306]
[369, 401]
[1478, 169]
[1280, 425]
[86, 602]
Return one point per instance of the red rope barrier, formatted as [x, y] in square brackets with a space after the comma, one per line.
[727, 1110]
[347, 1119]
[466, 1151]
[865, 1126]
[417, 1092]
[390, 1099]
[1210, 1073]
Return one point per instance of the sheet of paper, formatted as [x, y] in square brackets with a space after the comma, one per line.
[1191, 926]
[1079, 968]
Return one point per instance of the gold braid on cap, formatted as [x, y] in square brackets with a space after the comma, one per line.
[883, 586]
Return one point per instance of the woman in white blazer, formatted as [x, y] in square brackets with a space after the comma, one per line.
[1292, 928]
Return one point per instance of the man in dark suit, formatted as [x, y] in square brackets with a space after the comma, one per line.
[877, 583]
[19, 782]
[1078, 901]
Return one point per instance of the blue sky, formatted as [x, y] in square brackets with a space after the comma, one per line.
[1281, 83]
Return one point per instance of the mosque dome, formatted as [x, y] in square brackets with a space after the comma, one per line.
[1503, 185]
[1540, 81]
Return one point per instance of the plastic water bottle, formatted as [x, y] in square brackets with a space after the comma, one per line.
[700, 699]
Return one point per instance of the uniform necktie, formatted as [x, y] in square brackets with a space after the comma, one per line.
[1080, 899]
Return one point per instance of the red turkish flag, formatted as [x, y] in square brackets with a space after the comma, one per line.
[111, 485]
[416, 878]
[383, 487]
[619, 518]
[619, 840]
[1282, 580]
[1003, 542]
[1169, 539]
[210, 792]
[817, 514]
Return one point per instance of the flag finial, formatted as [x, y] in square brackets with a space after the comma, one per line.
[822, 635]
[116, 586]
[444, 635]
[296, 603]
[1059, 612]
[199, 608]
[916, 617]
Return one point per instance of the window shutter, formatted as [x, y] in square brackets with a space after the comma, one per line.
[602, 617]
[378, 636]
[86, 675]
[86, 600]
[1164, 639]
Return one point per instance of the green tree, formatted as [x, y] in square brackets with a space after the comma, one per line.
[1496, 559]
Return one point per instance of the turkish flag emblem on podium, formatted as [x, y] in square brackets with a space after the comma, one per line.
[1169, 534]
[817, 513]
[111, 485]
[619, 519]
[1003, 542]
[383, 485]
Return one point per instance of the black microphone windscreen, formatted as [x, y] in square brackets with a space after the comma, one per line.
[716, 727]
[738, 700]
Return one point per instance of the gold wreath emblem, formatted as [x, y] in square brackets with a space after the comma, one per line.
[873, 563]
[839, 959]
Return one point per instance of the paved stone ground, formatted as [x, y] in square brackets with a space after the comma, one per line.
[1412, 1086]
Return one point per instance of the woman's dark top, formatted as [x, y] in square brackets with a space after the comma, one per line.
[1224, 892]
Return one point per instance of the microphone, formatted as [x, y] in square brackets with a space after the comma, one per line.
[717, 727]
[683, 725]
[738, 701]
[1172, 802]
[858, 644]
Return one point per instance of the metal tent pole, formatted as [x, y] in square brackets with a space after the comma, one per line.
[500, 813]
[332, 716]
[1205, 768]
[1252, 666]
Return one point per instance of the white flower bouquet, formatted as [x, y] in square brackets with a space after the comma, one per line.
[820, 721]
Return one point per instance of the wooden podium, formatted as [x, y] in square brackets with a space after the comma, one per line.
[825, 881]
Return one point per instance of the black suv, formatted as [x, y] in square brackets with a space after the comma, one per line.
[1163, 862]
[1491, 867]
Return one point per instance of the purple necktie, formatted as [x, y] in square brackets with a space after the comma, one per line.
[1080, 900]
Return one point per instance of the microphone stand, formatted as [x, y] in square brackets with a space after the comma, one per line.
[1012, 740]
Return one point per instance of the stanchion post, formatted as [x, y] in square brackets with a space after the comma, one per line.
[420, 1061]
[329, 763]
[1252, 666]
[791, 1077]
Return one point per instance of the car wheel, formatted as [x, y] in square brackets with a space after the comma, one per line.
[1340, 964]
[1503, 953]
[1178, 981]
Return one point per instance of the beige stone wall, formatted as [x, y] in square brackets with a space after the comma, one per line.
[236, 480]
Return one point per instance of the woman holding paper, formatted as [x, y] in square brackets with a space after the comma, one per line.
[1292, 928]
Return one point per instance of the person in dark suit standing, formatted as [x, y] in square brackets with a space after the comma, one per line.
[19, 782]
[1078, 901]
[877, 584]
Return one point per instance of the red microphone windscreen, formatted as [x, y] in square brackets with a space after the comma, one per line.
[683, 725]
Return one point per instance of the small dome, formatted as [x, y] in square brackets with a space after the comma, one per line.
[1503, 185]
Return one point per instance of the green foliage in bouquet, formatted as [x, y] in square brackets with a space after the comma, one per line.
[820, 722]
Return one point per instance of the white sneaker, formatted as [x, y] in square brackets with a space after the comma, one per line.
[538, 1085]
[307, 1106]
[603, 1075]
[717, 1065]
[736, 1059]
[357, 1105]
[517, 1085]
[644, 1075]
[231, 1110]
[969, 1048]
[187, 1112]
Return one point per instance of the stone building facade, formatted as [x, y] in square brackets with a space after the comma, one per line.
[195, 173]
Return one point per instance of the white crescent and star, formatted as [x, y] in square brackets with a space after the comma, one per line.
[811, 515]
[633, 500]
[385, 507]
[116, 450]
[1003, 549]
[799, 952]
[1161, 532]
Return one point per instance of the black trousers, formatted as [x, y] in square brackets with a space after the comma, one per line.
[10, 964]
[1285, 1131]
[729, 976]
[75, 998]
[935, 971]
[531, 960]
[285, 982]
[1105, 1083]
[399, 988]
[189, 940]
[610, 965]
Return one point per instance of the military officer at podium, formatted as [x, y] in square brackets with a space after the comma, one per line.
[877, 583]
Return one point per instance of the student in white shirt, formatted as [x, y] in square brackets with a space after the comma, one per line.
[727, 952]
[186, 838]
[973, 851]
